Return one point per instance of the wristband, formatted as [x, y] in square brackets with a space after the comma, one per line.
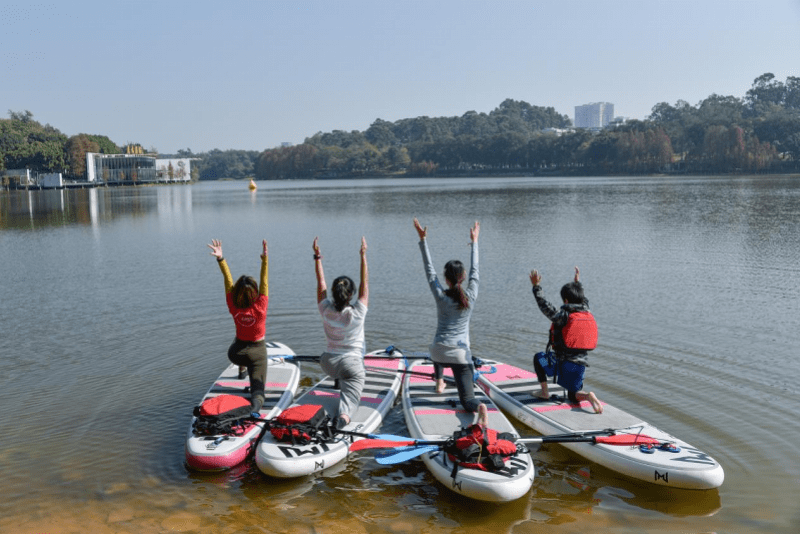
[317, 257]
[220, 260]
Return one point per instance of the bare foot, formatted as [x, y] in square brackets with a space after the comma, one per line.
[483, 416]
[544, 393]
[598, 408]
[439, 386]
[342, 421]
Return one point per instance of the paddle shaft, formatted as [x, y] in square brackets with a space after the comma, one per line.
[599, 436]
[312, 358]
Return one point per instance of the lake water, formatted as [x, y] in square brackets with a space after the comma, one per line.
[114, 325]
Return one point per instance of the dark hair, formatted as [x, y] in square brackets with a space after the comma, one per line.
[343, 290]
[573, 293]
[244, 292]
[454, 273]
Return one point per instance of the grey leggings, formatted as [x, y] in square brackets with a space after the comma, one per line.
[348, 369]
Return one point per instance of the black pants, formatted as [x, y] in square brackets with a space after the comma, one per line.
[462, 374]
[253, 355]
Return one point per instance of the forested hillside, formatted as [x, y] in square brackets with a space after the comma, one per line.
[759, 132]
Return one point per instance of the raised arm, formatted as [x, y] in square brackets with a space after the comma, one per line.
[430, 271]
[545, 307]
[322, 287]
[264, 285]
[216, 251]
[473, 270]
[363, 289]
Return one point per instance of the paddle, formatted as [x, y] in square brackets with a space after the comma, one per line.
[588, 437]
[491, 370]
[393, 371]
[388, 352]
[402, 454]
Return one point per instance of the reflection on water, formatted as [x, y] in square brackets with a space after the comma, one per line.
[114, 325]
[60, 207]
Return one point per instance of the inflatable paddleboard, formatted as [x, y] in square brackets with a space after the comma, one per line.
[432, 416]
[381, 389]
[515, 390]
[211, 453]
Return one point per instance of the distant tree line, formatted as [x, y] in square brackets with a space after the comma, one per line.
[27, 144]
[721, 134]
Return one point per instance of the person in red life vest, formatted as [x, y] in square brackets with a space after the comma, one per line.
[247, 304]
[573, 333]
[343, 322]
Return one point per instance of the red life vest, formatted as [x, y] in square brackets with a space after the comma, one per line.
[471, 448]
[299, 424]
[578, 334]
[223, 414]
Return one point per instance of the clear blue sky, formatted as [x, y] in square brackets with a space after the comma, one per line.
[250, 75]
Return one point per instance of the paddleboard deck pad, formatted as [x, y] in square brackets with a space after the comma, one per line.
[219, 452]
[436, 416]
[381, 389]
[516, 391]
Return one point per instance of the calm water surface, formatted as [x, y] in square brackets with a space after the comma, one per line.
[114, 325]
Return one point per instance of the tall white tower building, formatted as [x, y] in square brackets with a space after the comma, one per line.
[594, 115]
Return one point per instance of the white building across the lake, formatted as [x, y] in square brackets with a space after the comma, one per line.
[594, 115]
[136, 168]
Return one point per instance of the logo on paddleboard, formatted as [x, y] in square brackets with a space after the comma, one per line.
[664, 477]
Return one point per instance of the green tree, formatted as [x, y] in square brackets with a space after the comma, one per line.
[76, 149]
[25, 143]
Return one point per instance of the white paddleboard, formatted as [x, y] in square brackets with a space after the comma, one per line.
[432, 416]
[381, 389]
[514, 390]
[212, 453]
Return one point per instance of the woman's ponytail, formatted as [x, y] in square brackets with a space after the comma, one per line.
[454, 274]
[343, 290]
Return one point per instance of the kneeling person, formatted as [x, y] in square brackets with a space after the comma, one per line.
[572, 334]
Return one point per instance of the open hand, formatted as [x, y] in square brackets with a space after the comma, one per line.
[536, 278]
[216, 248]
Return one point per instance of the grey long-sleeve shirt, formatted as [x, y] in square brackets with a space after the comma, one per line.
[453, 324]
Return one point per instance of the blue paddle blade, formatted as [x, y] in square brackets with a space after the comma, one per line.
[403, 454]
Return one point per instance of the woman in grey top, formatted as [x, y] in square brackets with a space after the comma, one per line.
[450, 347]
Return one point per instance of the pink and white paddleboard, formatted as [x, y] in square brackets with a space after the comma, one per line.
[214, 453]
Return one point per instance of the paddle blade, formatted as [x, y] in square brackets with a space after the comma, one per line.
[403, 454]
[626, 439]
[364, 444]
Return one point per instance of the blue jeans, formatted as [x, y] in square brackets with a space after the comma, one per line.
[569, 375]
